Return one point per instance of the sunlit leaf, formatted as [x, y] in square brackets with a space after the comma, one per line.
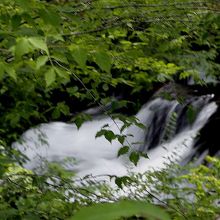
[62, 73]
[41, 61]
[22, 47]
[11, 72]
[118, 210]
[60, 57]
[39, 43]
[50, 77]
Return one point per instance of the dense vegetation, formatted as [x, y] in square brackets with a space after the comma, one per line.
[58, 58]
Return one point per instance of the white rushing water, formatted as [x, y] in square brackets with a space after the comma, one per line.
[97, 156]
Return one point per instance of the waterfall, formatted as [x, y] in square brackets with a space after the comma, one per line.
[169, 136]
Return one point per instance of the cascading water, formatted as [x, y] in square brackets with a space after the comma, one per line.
[169, 136]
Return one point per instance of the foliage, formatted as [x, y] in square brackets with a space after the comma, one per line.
[26, 196]
[111, 211]
[189, 192]
[183, 192]
[59, 57]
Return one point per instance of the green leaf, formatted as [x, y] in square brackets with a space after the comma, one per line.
[118, 210]
[56, 113]
[22, 47]
[41, 61]
[39, 43]
[100, 133]
[27, 17]
[123, 150]
[121, 139]
[50, 77]
[103, 60]
[81, 118]
[2, 70]
[63, 108]
[62, 73]
[15, 21]
[50, 17]
[134, 157]
[124, 126]
[140, 125]
[72, 90]
[144, 155]
[80, 56]
[60, 108]
[109, 135]
[11, 72]
[60, 57]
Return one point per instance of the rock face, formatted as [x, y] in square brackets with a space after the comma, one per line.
[208, 141]
[209, 138]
